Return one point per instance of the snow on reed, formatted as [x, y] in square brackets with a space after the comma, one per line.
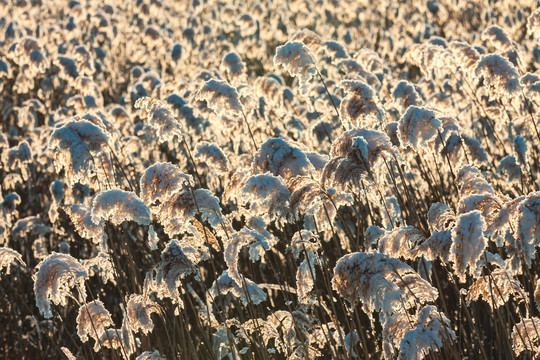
[299, 61]
[55, 277]
[117, 206]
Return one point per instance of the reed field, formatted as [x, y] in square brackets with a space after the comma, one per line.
[269, 179]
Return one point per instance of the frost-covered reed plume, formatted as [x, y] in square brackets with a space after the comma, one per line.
[283, 159]
[169, 194]
[224, 100]
[431, 331]
[358, 154]
[299, 61]
[497, 288]
[160, 181]
[268, 196]
[139, 311]
[405, 95]
[93, 320]
[173, 268]
[85, 225]
[81, 149]
[468, 244]
[233, 65]
[418, 127]
[400, 242]
[213, 156]
[528, 229]
[121, 339]
[361, 105]
[525, 336]
[55, 277]
[221, 97]
[381, 283]
[318, 205]
[117, 206]
[499, 75]
[9, 256]
[533, 23]
[160, 118]
[307, 244]
[247, 291]
[233, 246]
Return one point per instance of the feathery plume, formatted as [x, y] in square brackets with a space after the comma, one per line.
[418, 126]
[220, 97]
[528, 229]
[361, 106]
[81, 218]
[400, 241]
[117, 206]
[267, 194]
[498, 74]
[7, 257]
[161, 181]
[80, 148]
[281, 159]
[299, 61]
[431, 332]
[139, 309]
[55, 276]
[93, 319]
[213, 156]
[468, 244]
[525, 336]
[160, 118]
[381, 283]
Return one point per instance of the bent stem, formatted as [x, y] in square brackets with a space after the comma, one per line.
[329, 95]
[249, 129]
